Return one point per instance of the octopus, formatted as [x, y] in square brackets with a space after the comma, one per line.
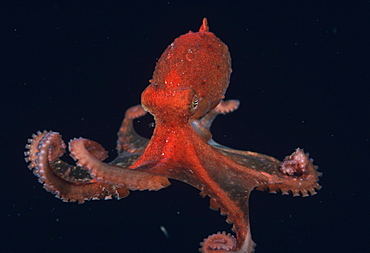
[185, 95]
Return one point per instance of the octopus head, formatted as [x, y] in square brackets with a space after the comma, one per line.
[173, 106]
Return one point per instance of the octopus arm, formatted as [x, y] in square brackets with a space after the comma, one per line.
[229, 190]
[236, 209]
[82, 182]
[128, 139]
[296, 175]
[223, 107]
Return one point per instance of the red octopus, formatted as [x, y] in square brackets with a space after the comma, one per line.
[184, 96]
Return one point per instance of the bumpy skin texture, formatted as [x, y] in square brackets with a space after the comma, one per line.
[199, 61]
[185, 96]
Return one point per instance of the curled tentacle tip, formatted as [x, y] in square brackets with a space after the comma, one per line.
[82, 149]
[227, 106]
[296, 164]
[135, 112]
[218, 242]
[41, 142]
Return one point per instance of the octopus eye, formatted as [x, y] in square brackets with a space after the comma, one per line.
[195, 104]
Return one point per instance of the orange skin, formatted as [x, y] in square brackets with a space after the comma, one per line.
[185, 96]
